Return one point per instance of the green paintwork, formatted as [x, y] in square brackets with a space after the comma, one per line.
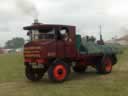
[90, 47]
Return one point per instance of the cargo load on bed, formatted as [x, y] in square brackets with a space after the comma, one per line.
[88, 45]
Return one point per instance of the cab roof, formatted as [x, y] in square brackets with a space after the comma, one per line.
[46, 26]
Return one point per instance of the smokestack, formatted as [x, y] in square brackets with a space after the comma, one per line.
[35, 20]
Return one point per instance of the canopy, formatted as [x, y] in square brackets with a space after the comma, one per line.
[45, 26]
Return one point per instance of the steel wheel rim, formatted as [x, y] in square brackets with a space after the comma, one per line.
[108, 64]
[59, 72]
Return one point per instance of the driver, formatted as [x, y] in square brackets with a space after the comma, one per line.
[66, 37]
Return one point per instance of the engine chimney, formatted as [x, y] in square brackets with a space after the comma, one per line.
[36, 21]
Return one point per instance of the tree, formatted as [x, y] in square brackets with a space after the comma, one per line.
[15, 43]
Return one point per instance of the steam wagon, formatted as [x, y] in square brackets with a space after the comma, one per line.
[57, 49]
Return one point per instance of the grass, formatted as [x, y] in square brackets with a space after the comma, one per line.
[14, 83]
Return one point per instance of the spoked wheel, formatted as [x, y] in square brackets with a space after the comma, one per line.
[105, 66]
[34, 74]
[58, 72]
[79, 69]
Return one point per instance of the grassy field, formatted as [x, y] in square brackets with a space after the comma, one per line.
[14, 83]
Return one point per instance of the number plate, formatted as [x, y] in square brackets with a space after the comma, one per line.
[35, 65]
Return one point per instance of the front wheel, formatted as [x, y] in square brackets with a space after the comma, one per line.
[34, 74]
[105, 66]
[58, 71]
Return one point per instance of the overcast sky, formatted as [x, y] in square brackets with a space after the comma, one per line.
[86, 15]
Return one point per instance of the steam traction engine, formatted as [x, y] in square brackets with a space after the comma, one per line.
[57, 49]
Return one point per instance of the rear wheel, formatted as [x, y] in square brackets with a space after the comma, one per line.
[58, 71]
[105, 66]
[34, 74]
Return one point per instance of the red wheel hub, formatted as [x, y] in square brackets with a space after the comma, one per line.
[59, 72]
[108, 64]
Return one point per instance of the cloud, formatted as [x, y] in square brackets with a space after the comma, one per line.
[86, 15]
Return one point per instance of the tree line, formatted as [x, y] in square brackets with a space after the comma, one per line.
[15, 43]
